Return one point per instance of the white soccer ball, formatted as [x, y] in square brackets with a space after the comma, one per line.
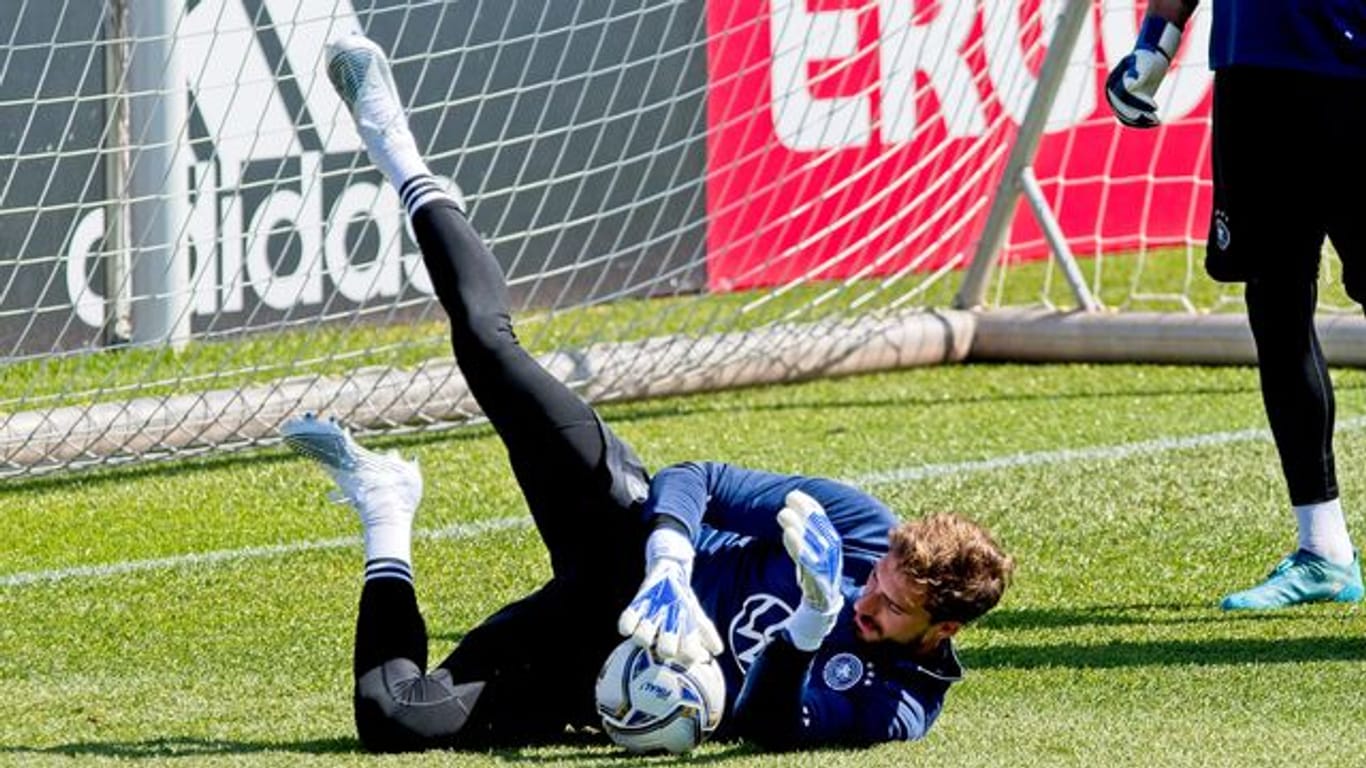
[651, 705]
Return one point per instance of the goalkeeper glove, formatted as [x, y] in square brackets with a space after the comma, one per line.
[1131, 85]
[814, 545]
[665, 613]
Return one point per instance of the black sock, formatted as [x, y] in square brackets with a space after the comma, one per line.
[389, 626]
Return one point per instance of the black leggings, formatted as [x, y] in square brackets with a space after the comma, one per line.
[528, 670]
[1296, 388]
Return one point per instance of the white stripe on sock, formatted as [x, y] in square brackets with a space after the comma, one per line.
[388, 568]
[420, 190]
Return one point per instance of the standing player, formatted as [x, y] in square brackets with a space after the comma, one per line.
[855, 650]
[1289, 146]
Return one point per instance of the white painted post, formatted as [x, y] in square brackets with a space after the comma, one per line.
[974, 287]
[158, 183]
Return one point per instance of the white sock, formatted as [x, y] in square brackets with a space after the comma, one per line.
[389, 541]
[1323, 531]
[387, 523]
[395, 153]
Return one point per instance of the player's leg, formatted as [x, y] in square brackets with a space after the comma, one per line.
[1342, 121]
[515, 392]
[1297, 391]
[1298, 396]
[565, 460]
[529, 667]
[1344, 163]
[1272, 241]
[538, 659]
[398, 706]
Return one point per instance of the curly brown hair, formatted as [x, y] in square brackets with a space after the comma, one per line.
[962, 569]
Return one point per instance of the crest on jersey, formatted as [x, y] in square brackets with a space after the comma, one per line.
[759, 617]
[1222, 235]
[842, 671]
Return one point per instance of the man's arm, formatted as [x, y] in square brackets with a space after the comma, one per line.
[744, 501]
[778, 709]
[1132, 85]
[681, 492]
[665, 614]
[773, 708]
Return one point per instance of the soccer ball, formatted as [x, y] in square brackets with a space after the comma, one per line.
[648, 704]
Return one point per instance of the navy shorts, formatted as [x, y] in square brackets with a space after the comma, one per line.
[1289, 168]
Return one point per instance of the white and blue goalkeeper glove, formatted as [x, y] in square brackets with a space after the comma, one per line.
[665, 614]
[1131, 87]
[814, 545]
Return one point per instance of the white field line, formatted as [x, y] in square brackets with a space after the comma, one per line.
[457, 531]
[1069, 455]
[474, 530]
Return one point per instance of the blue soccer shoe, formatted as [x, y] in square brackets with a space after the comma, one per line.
[1302, 577]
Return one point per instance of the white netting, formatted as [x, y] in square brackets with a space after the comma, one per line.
[193, 245]
[1134, 204]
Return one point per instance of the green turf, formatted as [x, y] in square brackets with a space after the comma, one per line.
[1107, 651]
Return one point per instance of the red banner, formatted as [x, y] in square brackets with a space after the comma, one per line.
[851, 138]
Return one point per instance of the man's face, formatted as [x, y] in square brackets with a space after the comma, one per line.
[891, 610]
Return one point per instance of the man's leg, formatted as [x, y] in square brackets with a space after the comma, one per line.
[538, 660]
[528, 670]
[1271, 239]
[1297, 393]
[560, 453]
[517, 678]
[398, 707]
[1298, 396]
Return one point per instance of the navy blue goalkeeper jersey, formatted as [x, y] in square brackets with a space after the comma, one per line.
[857, 692]
[1326, 37]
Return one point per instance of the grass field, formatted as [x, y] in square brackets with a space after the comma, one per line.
[201, 613]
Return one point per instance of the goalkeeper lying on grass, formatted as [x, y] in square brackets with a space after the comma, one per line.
[856, 650]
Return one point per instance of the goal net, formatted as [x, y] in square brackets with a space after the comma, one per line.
[1113, 221]
[683, 195]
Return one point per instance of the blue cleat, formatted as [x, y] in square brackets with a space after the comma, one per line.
[1302, 577]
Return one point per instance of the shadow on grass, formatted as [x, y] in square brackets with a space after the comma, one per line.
[565, 753]
[175, 746]
[582, 749]
[1162, 653]
[1139, 614]
[453, 636]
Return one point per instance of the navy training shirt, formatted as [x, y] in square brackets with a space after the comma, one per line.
[858, 692]
[1325, 37]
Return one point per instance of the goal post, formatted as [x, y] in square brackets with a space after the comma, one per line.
[1154, 318]
[683, 196]
[1018, 179]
